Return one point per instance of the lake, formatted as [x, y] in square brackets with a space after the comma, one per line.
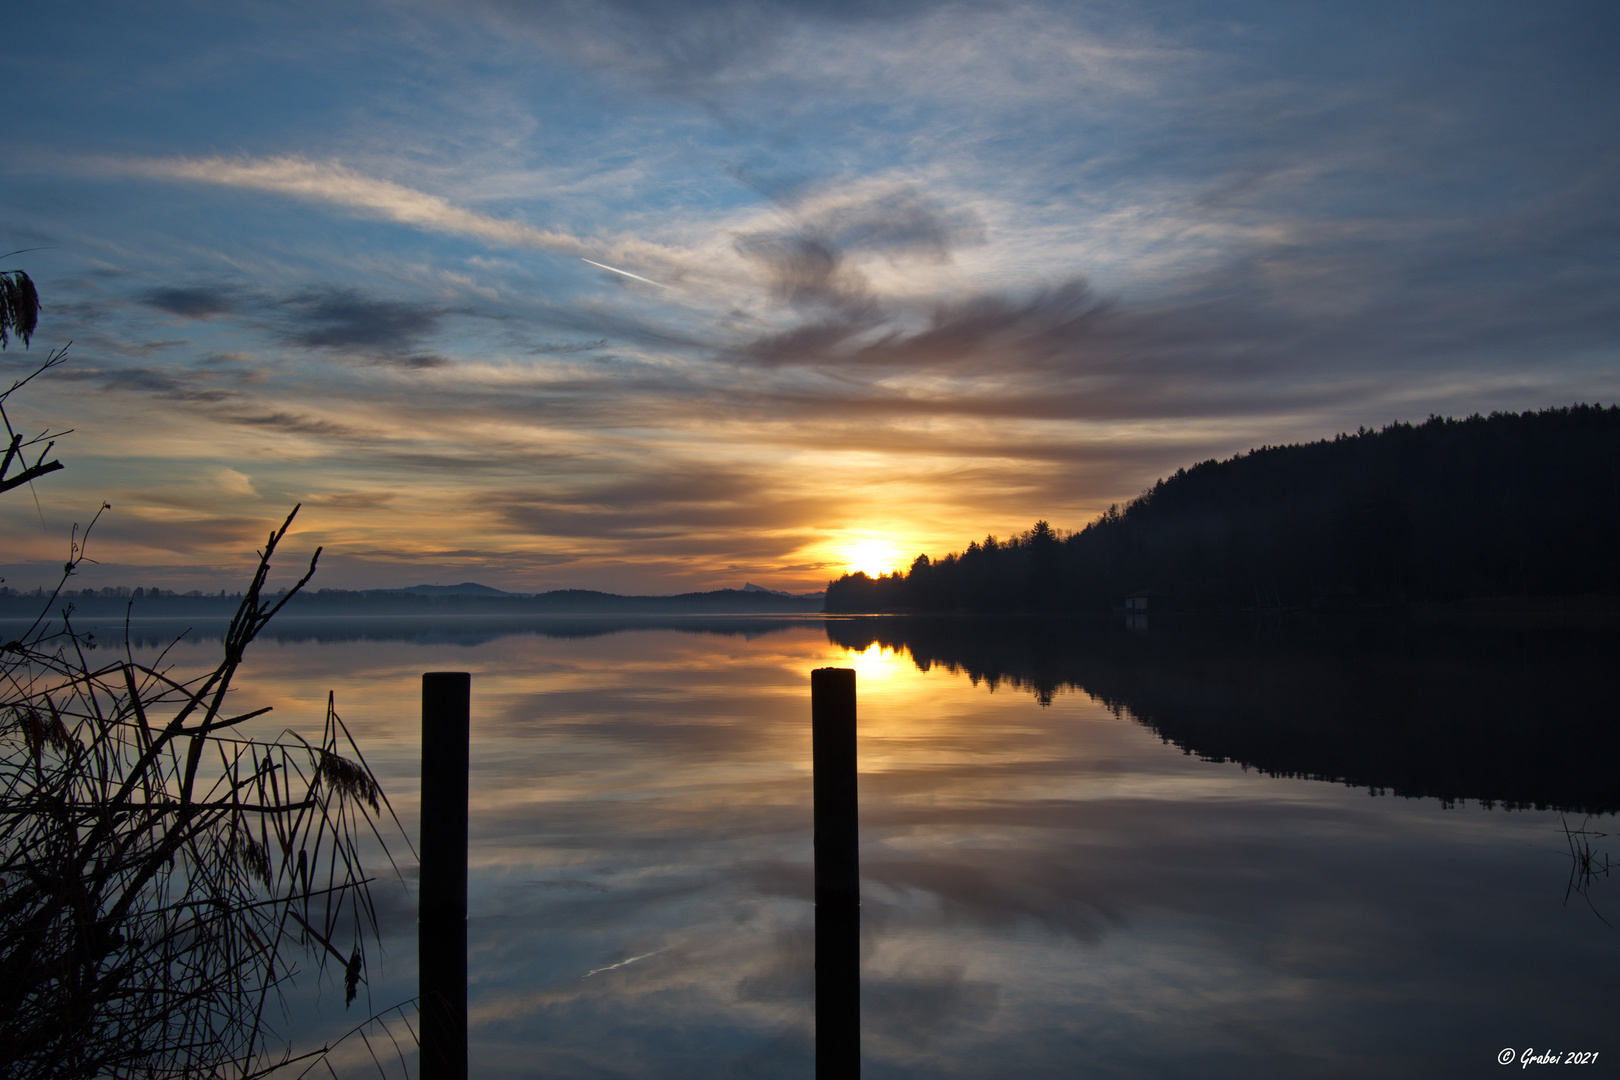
[1245, 850]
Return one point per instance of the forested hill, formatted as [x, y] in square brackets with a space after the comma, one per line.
[1501, 505]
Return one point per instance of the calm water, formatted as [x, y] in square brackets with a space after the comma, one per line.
[1187, 874]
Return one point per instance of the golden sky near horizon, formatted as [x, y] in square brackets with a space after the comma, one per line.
[649, 299]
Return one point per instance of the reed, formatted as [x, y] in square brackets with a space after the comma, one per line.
[163, 876]
[1587, 866]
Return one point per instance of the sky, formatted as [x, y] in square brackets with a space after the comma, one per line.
[651, 297]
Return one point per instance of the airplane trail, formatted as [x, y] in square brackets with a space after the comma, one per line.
[626, 273]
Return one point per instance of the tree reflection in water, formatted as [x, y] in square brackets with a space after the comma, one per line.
[1515, 720]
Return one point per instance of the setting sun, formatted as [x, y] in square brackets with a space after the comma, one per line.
[873, 556]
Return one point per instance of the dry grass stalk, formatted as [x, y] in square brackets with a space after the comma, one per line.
[1586, 865]
[161, 876]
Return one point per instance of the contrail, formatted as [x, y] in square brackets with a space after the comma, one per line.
[626, 273]
[655, 952]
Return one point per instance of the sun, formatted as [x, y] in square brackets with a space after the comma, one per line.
[873, 556]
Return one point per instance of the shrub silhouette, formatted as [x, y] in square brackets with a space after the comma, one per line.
[161, 874]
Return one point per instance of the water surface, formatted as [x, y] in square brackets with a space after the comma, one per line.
[1084, 852]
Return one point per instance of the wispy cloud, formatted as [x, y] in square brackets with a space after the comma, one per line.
[931, 267]
[332, 183]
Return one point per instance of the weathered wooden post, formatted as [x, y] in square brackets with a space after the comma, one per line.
[441, 916]
[838, 875]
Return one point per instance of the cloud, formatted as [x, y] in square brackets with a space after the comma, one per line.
[1287, 229]
[330, 182]
[339, 319]
[853, 255]
[982, 334]
[696, 50]
[809, 262]
[352, 500]
[194, 302]
[346, 319]
[806, 269]
[288, 422]
[559, 348]
[232, 482]
[200, 534]
[172, 384]
[669, 511]
[335, 184]
[899, 221]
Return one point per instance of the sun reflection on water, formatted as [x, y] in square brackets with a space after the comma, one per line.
[879, 669]
[1038, 880]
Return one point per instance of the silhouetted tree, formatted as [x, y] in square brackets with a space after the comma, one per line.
[1512, 503]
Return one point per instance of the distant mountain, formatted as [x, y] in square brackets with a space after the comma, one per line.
[559, 601]
[749, 587]
[466, 588]
[465, 599]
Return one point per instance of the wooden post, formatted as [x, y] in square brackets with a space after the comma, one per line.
[838, 875]
[441, 917]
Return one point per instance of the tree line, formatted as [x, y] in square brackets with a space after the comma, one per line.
[1500, 505]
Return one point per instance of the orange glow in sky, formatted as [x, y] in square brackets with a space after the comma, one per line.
[618, 333]
[873, 556]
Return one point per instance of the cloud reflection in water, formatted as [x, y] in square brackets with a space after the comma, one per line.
[1049, 891]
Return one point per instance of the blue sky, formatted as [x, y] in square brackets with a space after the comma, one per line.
[649, 297]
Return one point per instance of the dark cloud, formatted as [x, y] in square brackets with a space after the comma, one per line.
[807, 269]
[808, 263]
[421, 361]
[173, 384]
[296, 423]
[194, 302]
[1049, 327]
[1352, 319]
[810, 343]
[1312, 220]
[985, 333]
[674, 529]
[667, 507]
[343, 320]
[1410, 200]
[346, 319]
[564, 348]
[201, 536]
[902, 221]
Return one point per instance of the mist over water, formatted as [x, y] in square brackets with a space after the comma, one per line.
[1083, 851]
